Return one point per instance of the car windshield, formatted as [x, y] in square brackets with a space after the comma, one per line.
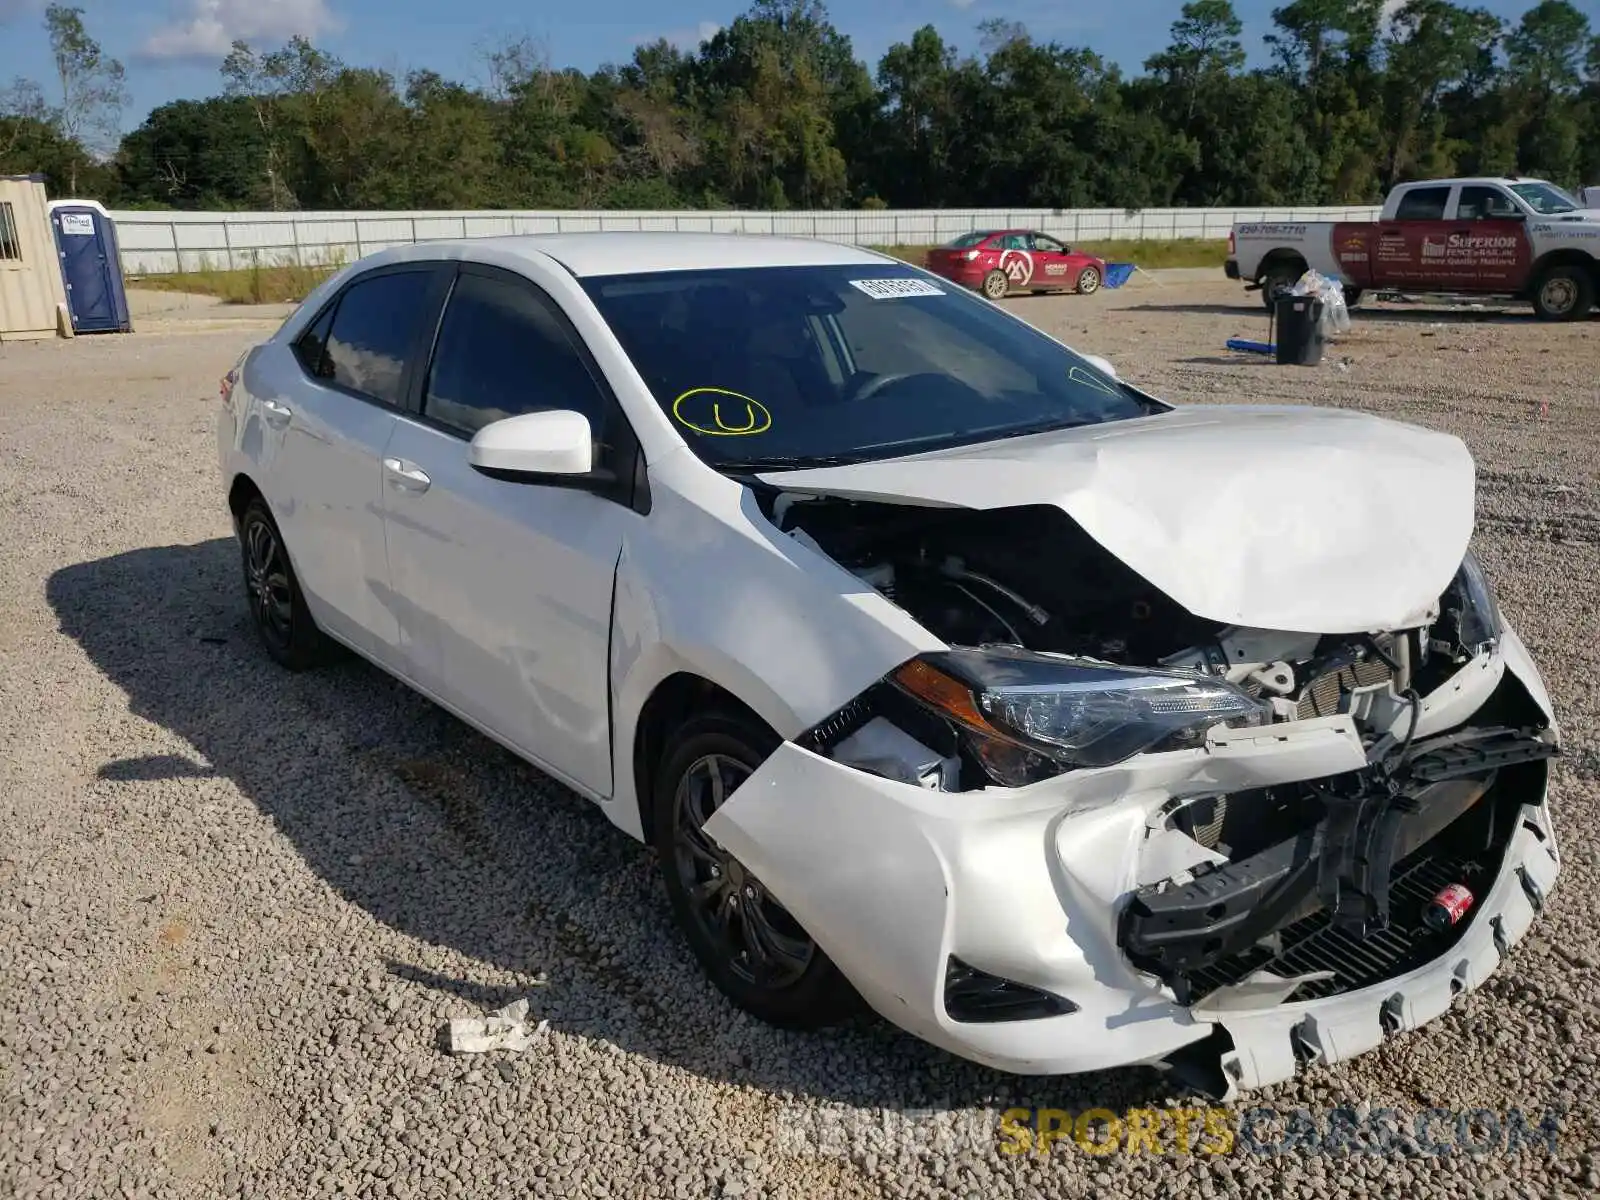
[794, 366]
[965, 240]
[1544, 198]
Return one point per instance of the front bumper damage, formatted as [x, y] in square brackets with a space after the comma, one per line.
[1073, 889]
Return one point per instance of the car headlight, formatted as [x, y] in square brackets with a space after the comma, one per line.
[1470, 601]
[1027, 716]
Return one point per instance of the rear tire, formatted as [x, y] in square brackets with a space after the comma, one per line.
[1088, 281]
[753, 950]
[277, 606]
[1564, 293]
[1276, 281]
[995, 285]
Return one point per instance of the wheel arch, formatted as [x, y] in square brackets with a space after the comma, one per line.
[672, 701]
[1281, 257]
[240, 493]
[1564, 256]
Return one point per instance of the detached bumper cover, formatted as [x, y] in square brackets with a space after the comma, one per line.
[1027, 885]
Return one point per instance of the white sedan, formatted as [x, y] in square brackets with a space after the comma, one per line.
[943, 669]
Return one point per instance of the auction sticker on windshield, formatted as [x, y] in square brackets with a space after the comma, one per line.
[896, 289]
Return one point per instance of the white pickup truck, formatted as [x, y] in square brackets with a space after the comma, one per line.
[1520, 238]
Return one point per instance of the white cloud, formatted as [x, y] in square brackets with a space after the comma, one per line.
[963, 5]
[205, 29]
[684, 39]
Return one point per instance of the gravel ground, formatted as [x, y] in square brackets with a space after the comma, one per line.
[238, 907]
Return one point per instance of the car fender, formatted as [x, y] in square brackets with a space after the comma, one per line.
[714, 589]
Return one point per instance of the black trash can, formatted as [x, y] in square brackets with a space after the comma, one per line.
[1299, 321]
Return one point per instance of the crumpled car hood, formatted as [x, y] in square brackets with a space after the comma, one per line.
[1312, 520]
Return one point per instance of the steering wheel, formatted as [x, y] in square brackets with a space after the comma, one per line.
[876, 385]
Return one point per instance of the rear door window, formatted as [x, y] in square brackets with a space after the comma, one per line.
[1423, 204]
[372, 332]
[312, 348]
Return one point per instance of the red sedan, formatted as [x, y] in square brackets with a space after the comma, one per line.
[1001, 261]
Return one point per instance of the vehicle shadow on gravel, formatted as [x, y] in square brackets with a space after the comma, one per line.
[492, 873]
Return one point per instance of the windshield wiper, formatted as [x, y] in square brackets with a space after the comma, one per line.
[788, 462]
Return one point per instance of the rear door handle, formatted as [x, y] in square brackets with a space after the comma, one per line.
[406, 475]
[277, 414]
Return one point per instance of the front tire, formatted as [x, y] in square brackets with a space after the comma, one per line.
[753, 950]
[277, 605]
[1088, 281]
[995, 285]
[1564, 293]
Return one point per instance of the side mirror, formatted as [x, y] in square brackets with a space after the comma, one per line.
[1103, 364]
[557, 442]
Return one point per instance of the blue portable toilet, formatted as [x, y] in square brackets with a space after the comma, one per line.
[91, 266]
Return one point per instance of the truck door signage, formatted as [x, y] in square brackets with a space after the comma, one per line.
[1392, 246]
[1487, 249]
[1568, 230]
[1479, 257]
[1350, 246]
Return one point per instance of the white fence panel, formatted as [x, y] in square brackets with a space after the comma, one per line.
[162, 242]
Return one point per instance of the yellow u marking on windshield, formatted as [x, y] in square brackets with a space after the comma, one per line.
[757, 418]
[747, 427]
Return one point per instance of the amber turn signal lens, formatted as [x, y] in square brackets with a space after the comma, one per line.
[939, 691]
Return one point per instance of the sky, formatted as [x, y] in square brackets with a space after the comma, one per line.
[172, 48]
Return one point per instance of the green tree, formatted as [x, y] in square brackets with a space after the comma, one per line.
[919, 125]
[1330, 50]
[452, 153]
[283, 88]
[776, 86]
[93, 92]
[1204, 53]
[776, 111]
[1545, 60]
[194, 154]
[1431, 46]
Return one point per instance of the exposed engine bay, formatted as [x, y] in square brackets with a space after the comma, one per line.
[1240, 886]
[1031, 577]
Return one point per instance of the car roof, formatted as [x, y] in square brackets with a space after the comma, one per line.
[1469, 180]
[626, 252]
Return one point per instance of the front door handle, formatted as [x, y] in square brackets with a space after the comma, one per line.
[277, 414]
[406, 475]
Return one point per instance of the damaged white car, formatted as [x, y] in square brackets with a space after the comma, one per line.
[945, 670]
